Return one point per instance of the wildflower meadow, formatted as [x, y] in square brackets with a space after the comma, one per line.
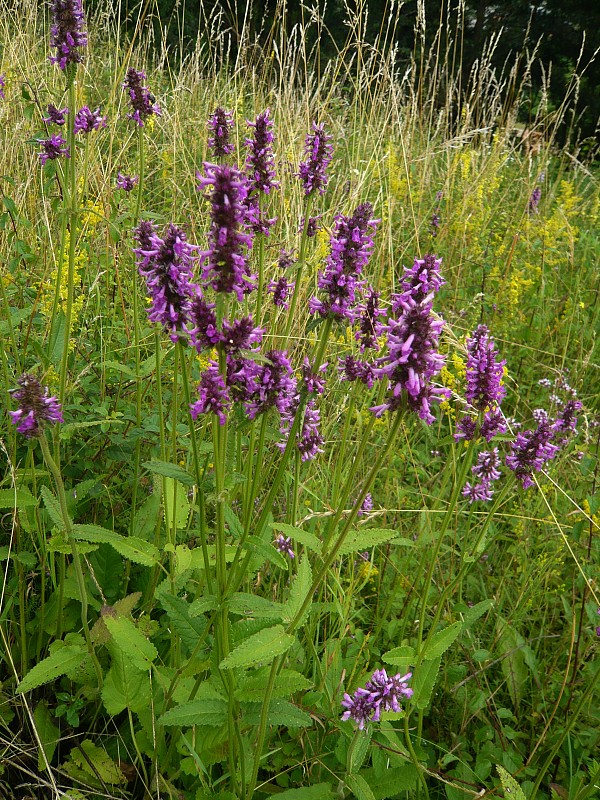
[300, 382]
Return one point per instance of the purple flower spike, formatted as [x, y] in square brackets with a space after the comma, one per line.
[353, 370]
[484, 371]
[412, 360]
[143, 234]
[273, 385]
[240, 335]
[126, 182]
[54, 148]
[2, 87]
[260, 163]
[202, 326]
[141, 100]
[351, 246]
[56, 116]
[87, 121]
[534, 201]
[35, 407]
[167, 267]
[67, 34]
[370, 328]
[213, 395]
[531, 450]
[225, 262]
[319, 152]
[310, 440]
[381, 693]
[281, 290]
[422, 278]
[284, 545]
[221, 127]
[366, 508]
[314, 383]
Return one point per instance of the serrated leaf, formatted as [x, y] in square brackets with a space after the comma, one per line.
[108, 569]
[130, 547]
[16, 498]
[357, 541]
[96, 762]
[123, 607]
[131, 640]
[513, 660]
[176, 504]
[318, 791]
[478, 610]
[210, 712]
[52, 667]
[167, 470]
[402, 656]
[52, 507]
[394, 781]
[441, 641]
[187, 628]
[48, 735]
[359, 787]
[251, 688]
[231, 518]
[202, 605]
[301, 586]
[125, 686]
[309, 540]
[251, 605]
[282, 714]
[266, 551]
[423, 682]
[260, 648]
[512, 790]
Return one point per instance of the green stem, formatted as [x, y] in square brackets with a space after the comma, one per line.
[299, 268]
[68, 526]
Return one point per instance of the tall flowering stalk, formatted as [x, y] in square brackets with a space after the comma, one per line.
[220, 126]
[68, 32]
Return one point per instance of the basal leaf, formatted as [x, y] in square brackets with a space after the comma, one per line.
[131, 640]
[251, 605]
[252, 687]
[17, 498]
[423, 682]
[52, 667]
[130, 547]
[360, 540]
[402, 656]
[52, 507]
[512, 790]
[176, 504]
[359, 787]
[210, 712]
[478, 610]
[125, 686]
[260, 648]
[173, 471]
[47, 733]
[441, 641]
[189, 629]
[301, 586]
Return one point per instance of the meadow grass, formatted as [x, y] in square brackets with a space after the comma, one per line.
[157, 638]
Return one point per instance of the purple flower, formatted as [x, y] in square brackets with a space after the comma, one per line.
[143, 234]
[56, 116]
[242, 376]
[281, 290]
[566, 422]
[2, 87]
[313, 382]
[353, 370]
[272, 385]
[487, 467]
[284, 545]
[434, 224]
[240, 335]
[225, 262]
[126, 182]
[319, 152]
[310, 441]
[87, 121]
[67, 33]
[260, 164]
[531, 450]
[381, 693]
[54, 148]
[351, 246]
[143, 103]
[213, 395]
[35, 407]
[493, 424]
[484, 371]
[421, 279]
[370, 328]
[221, 125]
[412, 360]
[477, 492]
[202, 325]
[312, 227]
[167, 267]
[366, 507]
[534, 200]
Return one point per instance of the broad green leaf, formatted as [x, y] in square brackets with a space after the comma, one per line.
[512, 790]
[402, 656]
[210, 712]
[266, 551]
[510, 644]
[47, 733]
[130, 547]
[202, 605]
[173, 471]
[260, 648]
[318, 791]
[301, 586]
[52, 667]
[423, 682]
[125, 686]
[123, 607]
[365, 539]
[108, 566]
[441, 641]
[478, 610]
[19, 498]
[251, 605]
[235, 526]
[95, 762]
[176, 504]
[52, 507]
[132, 641]
[309, 540]
[251, 688]
[187, 628]
[282, 714]
[394, 781]
[359, 787]
[146, 517]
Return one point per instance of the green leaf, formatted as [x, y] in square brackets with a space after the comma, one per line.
[52, 667]
[187, 628]
[359, 787]
[251, 688]
[202, 605]
[365, 539]
[309, 540]
[52, 507]
[260, 648]
[108, 568]
[513, 663]
[301, 586]
[130, 547]
[176, 504]
[17, 498]
[251, 605]
[441, 641]
[125, 686]
[478, 610]
[146, 517]
[97, 765]
[266, 551]
[48, 734]
[210, 712]
[232, 520]
[402, 656]
[173, 471]
[282, 714]
[394, 781]
[318, 791]
[131, 640]
[423, 682]
[512, 790]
